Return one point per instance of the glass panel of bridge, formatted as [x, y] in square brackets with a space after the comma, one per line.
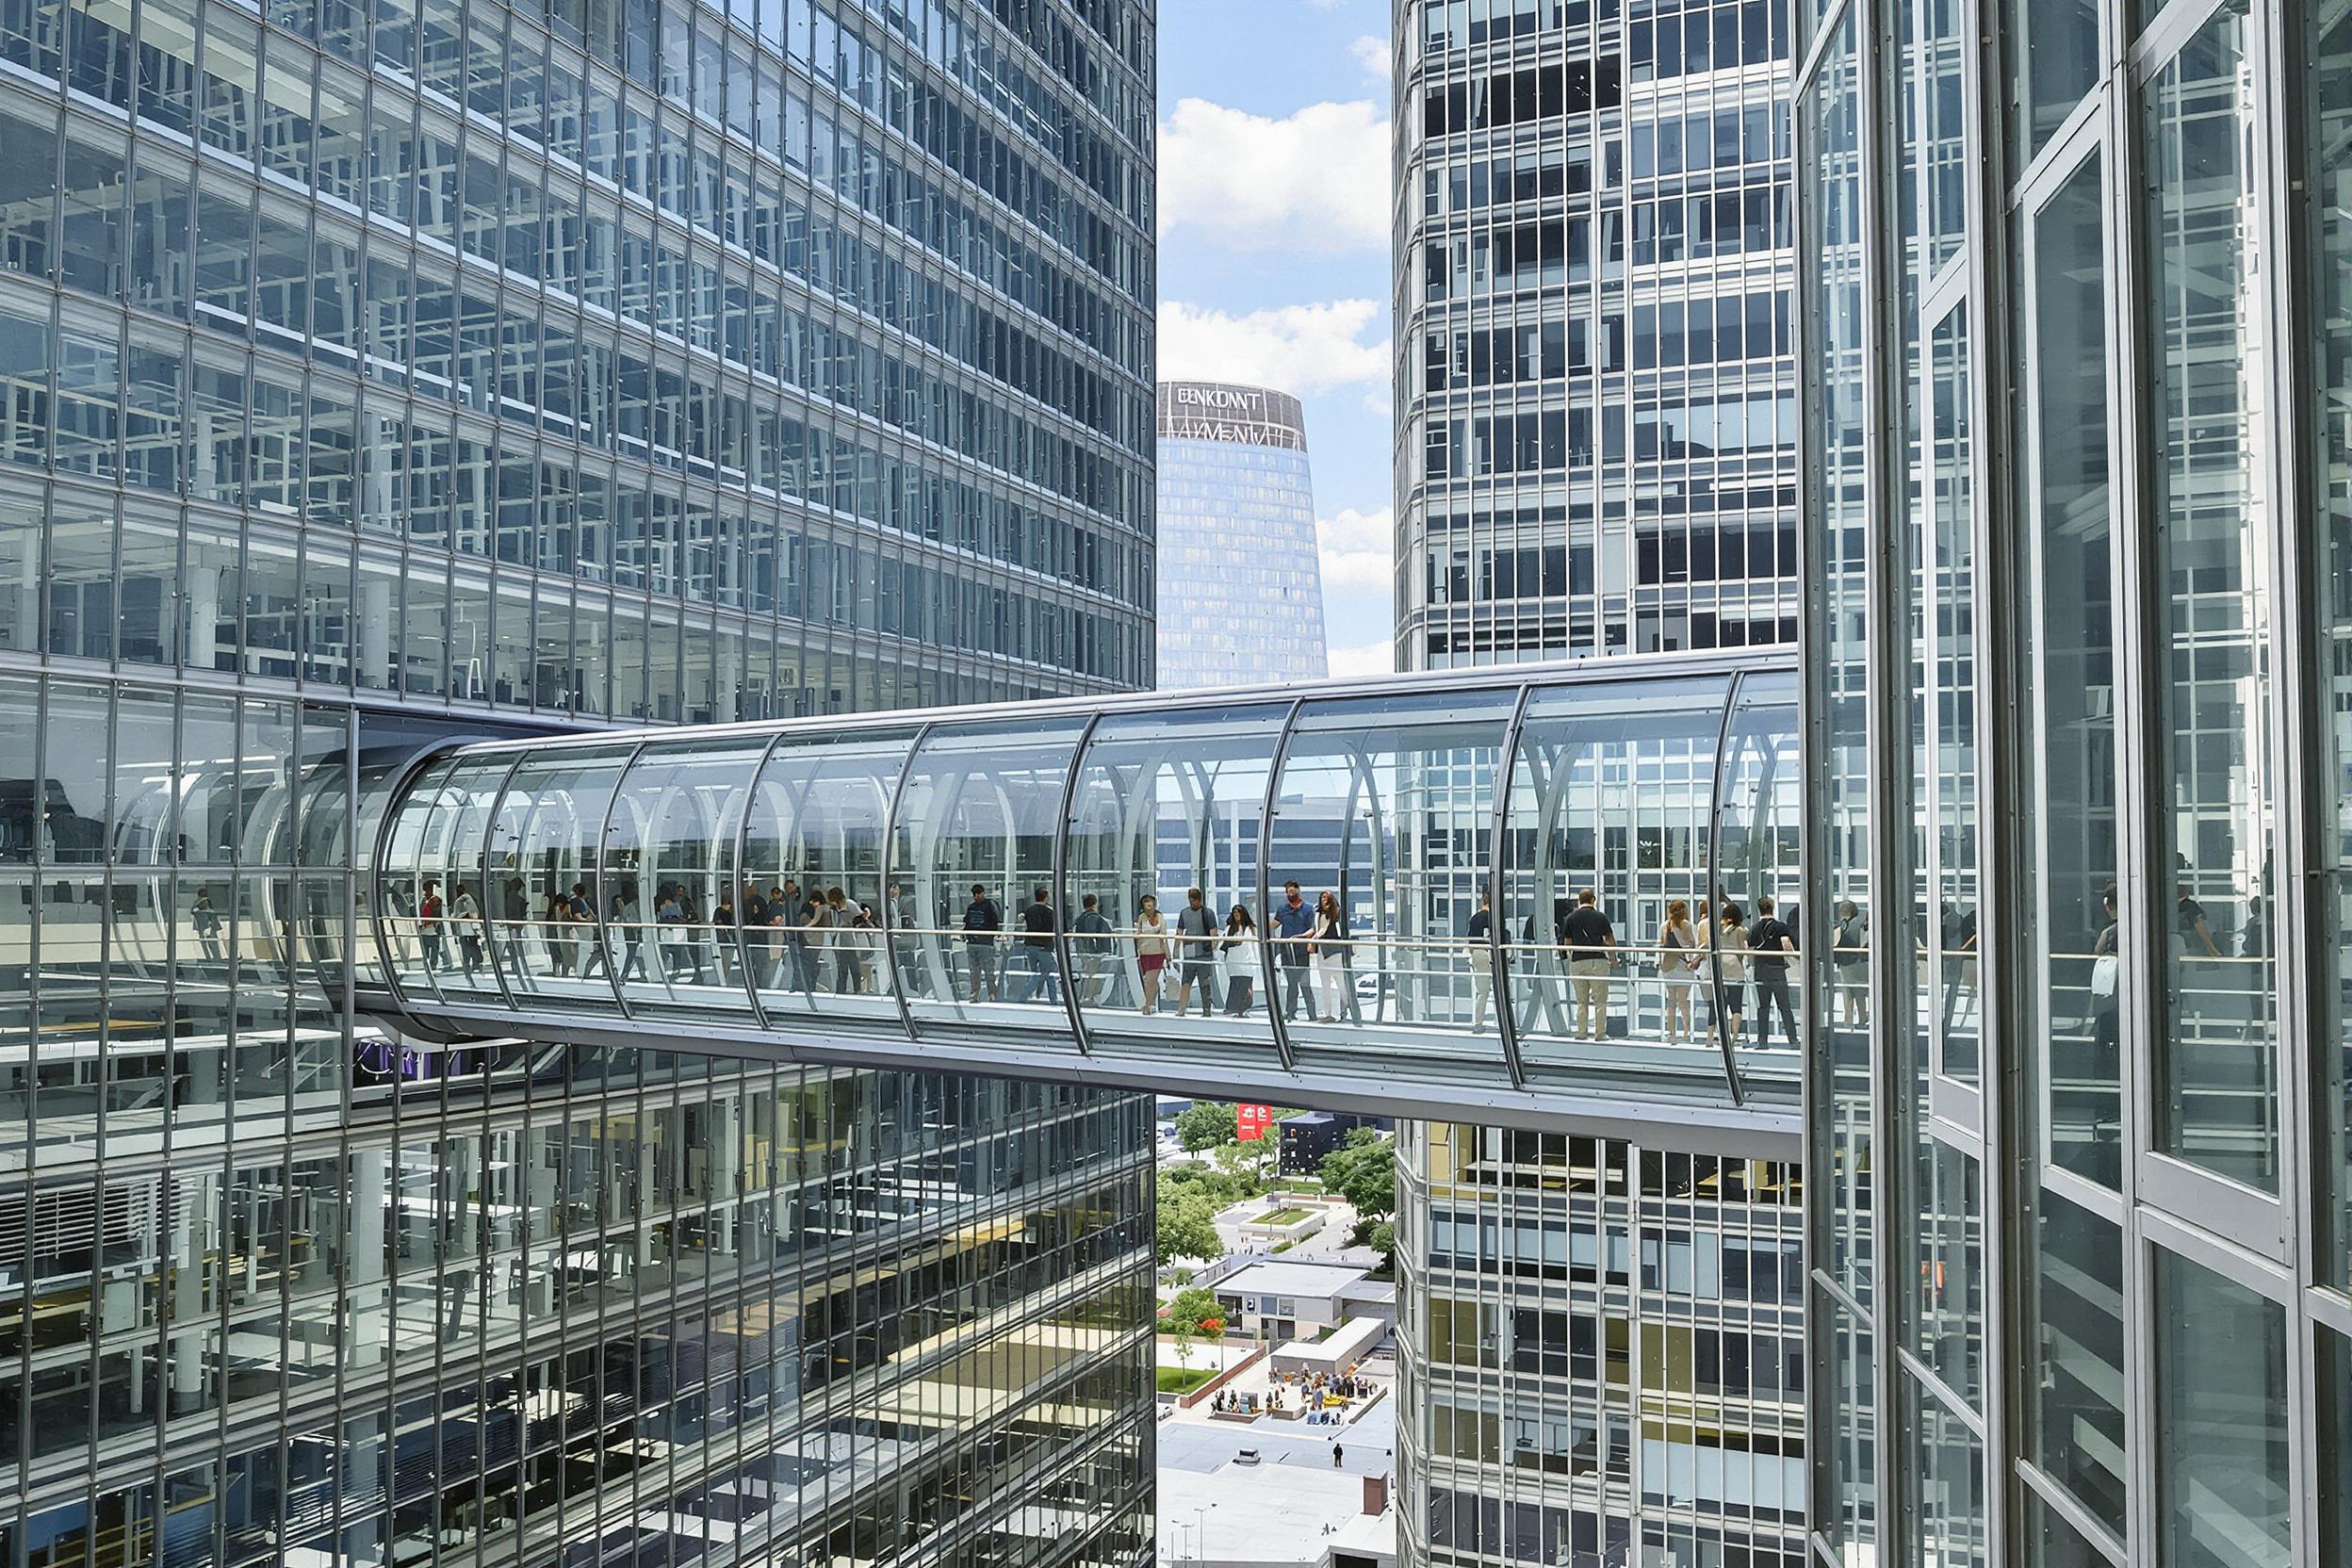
[1756, 859]
[670, 850]
[548, 830]
[455, 943]
[1166, 802]
[1608, 800]
[972, 860]
[401, 884]
[813, 857]
[1385, 817]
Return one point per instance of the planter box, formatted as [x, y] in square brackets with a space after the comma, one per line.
[1297, 1230]
[1186, 1401]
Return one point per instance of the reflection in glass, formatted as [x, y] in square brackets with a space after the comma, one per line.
[2078, 956]
[2221, 1422]
[1945, 1464]
[1386, 805]
[2054, 59]
[2217, 1053]
[1166, 802]
[1619, 807]
[1947, 721]
[814, 829]
[1947, 1280]
[669, 852]
[2327, 89]
[2334, 1362]
[408, 859]
[452, 921]
[2054, 1543]
[2076, 1433]
[548, 832]
[1847, 1483]
[982, 808]
[1835, 397]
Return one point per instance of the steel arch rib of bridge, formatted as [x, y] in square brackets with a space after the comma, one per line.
[1010, 889]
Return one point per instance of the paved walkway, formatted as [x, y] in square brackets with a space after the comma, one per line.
[1373, 1431]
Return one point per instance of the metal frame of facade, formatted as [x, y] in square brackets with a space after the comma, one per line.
[2273, 1246]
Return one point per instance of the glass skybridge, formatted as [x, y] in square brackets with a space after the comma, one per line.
[970, 890]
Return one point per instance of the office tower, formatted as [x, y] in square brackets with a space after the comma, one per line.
[1597, 419]
[1596, 457]
[2075, 334]
[376, 377]
[1241, 587]
[1604, 1352]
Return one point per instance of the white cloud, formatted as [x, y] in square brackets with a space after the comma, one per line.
[1371, 52]
[1303, 350]
[1356, 548]
[1316, 180]
[1364, 658]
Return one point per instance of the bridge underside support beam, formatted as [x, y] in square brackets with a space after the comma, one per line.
[1672, 1121]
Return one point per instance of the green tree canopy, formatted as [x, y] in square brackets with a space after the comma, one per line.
[1240, 1164]
[1188, 1228]
[1363, 1170]
[1194, 1307]
[1217, 1188]
[1206, 1123]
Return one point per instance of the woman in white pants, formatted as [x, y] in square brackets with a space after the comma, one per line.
[1326, 960]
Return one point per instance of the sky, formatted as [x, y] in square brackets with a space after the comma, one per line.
[1274, 256]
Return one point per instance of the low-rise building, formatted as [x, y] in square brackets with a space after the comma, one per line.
[1281, 1301]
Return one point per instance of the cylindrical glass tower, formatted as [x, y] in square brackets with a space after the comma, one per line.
[1241, 590]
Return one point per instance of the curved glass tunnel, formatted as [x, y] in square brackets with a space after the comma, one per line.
[892, 870]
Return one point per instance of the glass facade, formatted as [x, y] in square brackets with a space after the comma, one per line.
[374, 376]
[1603, 1353]
[1596, 400]
[1241, 584]
[649, 364]
[909, 882]
[2075, 351]
[1596, 456]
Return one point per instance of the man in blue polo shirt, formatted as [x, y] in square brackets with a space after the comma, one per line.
[1293, 918]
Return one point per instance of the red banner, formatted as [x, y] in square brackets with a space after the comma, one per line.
[1251, 1122]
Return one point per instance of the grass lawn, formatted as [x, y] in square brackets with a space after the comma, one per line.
[1280, 1217]
[1181, 1380]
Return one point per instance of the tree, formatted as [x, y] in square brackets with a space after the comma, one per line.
[1195, 1308]
[1187, 1229]
[1206, 1123]
[1242, 1165]
[1183, 1334]
[1363, 1171]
